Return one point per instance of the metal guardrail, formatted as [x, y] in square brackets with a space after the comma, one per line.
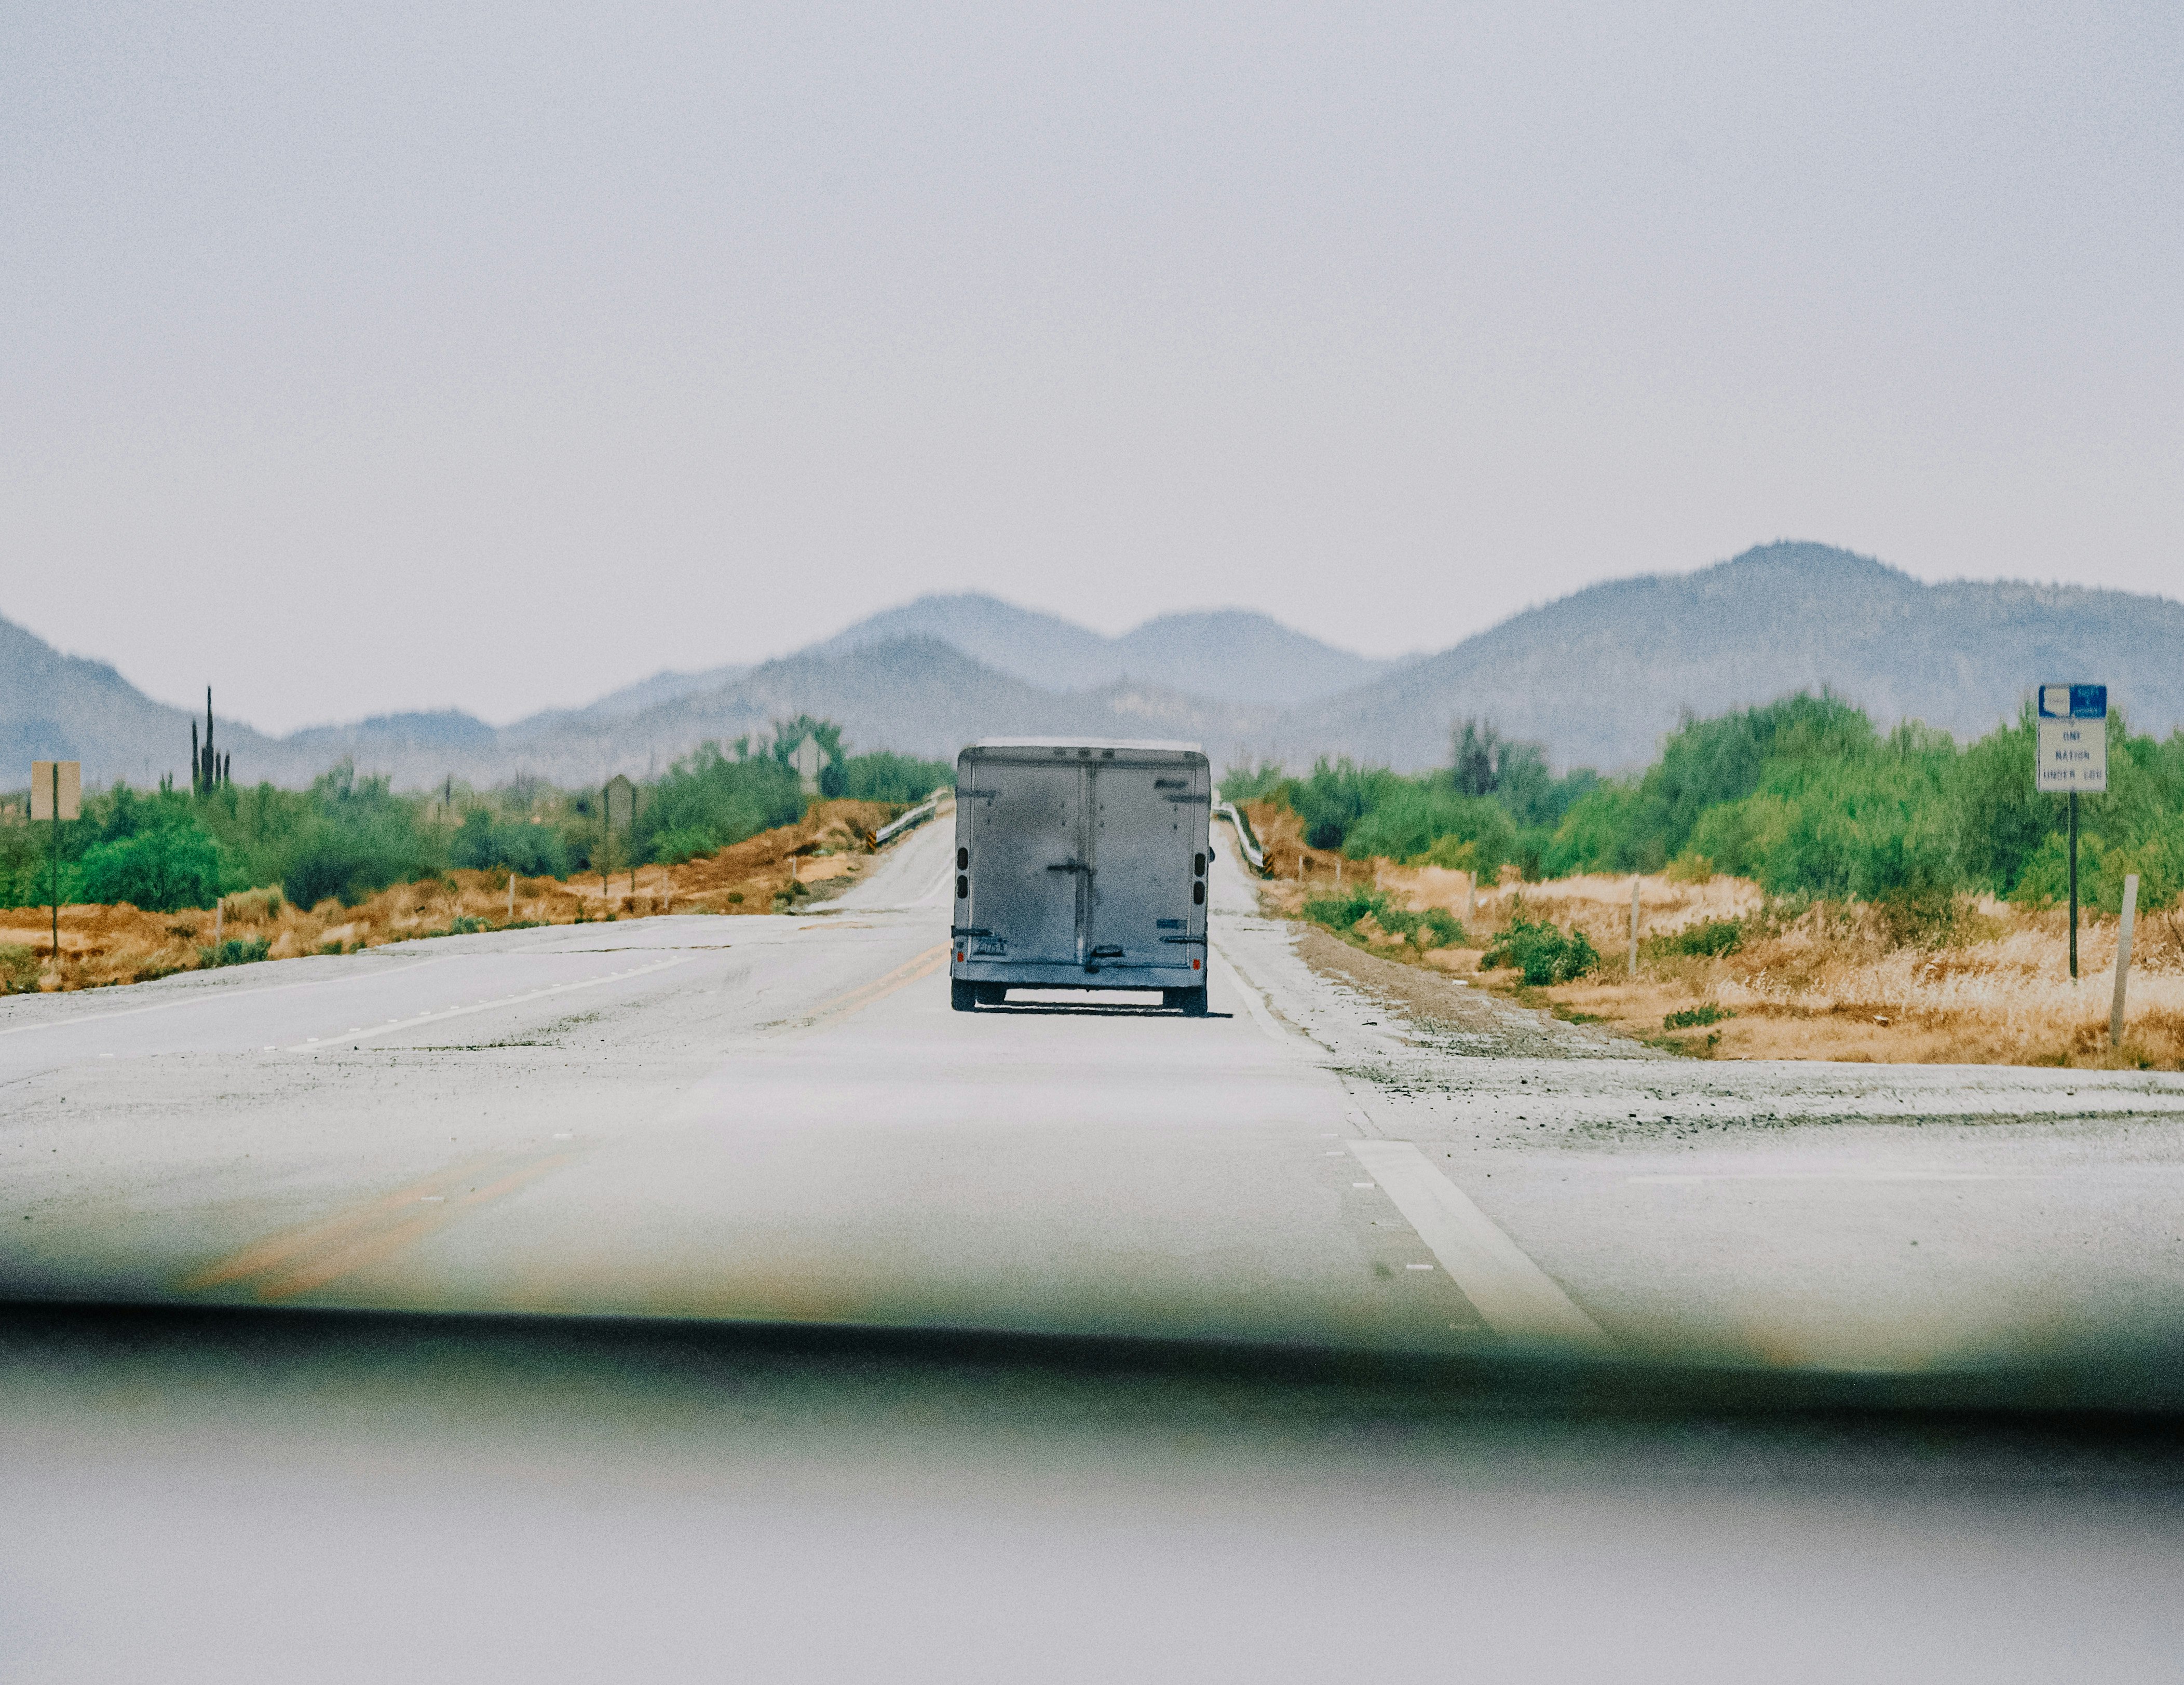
[1254, 856]
[911, 821]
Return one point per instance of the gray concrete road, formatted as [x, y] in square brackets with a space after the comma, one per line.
[780, 1118]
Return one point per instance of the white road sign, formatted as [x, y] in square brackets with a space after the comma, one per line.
[42, 791]
[809, 760]
[622, 803]
[2074, 738]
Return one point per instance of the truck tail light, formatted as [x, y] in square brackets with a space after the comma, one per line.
[1194, 963]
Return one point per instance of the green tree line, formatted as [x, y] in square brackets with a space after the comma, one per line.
[349, 836]
[1804, 795]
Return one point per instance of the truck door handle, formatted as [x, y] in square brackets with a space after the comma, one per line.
[1071, 866]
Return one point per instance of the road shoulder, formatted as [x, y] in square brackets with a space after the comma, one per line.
[1446, 1010]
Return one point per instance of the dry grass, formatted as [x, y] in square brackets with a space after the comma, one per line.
[1833, 983]
[107, 945]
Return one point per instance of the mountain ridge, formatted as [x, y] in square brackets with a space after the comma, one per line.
[1777, 618]
[1598, 676]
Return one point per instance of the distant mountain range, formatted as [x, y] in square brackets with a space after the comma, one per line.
[1597, 677]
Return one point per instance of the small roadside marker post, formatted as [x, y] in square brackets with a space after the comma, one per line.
[2123, 958]
[620, 803]
[56, 794]
[1634, 926]
[2073, 757]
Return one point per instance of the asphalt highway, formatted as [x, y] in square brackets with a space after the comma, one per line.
[780, 1119]
[713, 1184]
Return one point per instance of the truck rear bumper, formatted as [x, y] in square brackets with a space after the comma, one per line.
[1024, 975]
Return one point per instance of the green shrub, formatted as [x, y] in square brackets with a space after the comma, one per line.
[235, 951]
[1341, 912]
[484, 844]
[1446, 929]
[1696, 1017]
[353, 838]
[1544, 953]
[1435, 927]
[1410, 821]
[160, 870]
[1250, 783]
[687, 843]
[18, 968]
[1712, 938]
[1338, 794]
[709, 800]
[902, 779]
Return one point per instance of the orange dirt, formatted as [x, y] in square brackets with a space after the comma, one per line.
[105, 945]
[1831, 985]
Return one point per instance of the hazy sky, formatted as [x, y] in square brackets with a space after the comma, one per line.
[368, 357]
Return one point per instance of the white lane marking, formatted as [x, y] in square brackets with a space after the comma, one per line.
[1697, 1178]
[489, 1005]
[1253, 1001]
[1515, 1296]
[215, 997]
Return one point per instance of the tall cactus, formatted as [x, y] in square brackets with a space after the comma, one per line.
[209, 769]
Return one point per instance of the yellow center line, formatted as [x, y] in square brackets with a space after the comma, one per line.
[301, 1259]
[833, 1012]
[262, 1256]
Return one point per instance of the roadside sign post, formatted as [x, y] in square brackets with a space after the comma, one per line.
[2072, 760]
[2074, 885]
[56, 794]
[621, 810]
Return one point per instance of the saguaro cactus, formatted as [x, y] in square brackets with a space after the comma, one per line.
[209, 769]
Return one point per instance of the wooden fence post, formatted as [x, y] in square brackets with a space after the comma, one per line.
[2123, 958]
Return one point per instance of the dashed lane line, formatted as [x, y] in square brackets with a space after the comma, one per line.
[1517, 1297]
[419, 1020]
[217, 996]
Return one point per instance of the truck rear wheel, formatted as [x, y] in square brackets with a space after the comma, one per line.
[963, 997]
[1192, 1001]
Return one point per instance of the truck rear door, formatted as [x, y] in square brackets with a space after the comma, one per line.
[1026, 864]
[1143, 827]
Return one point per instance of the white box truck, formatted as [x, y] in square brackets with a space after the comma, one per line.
[1080, 865]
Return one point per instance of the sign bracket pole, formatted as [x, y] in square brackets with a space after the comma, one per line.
[2074, 885]
[57, 863]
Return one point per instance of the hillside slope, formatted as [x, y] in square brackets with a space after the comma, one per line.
[1234, 653]
[1600, 676]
